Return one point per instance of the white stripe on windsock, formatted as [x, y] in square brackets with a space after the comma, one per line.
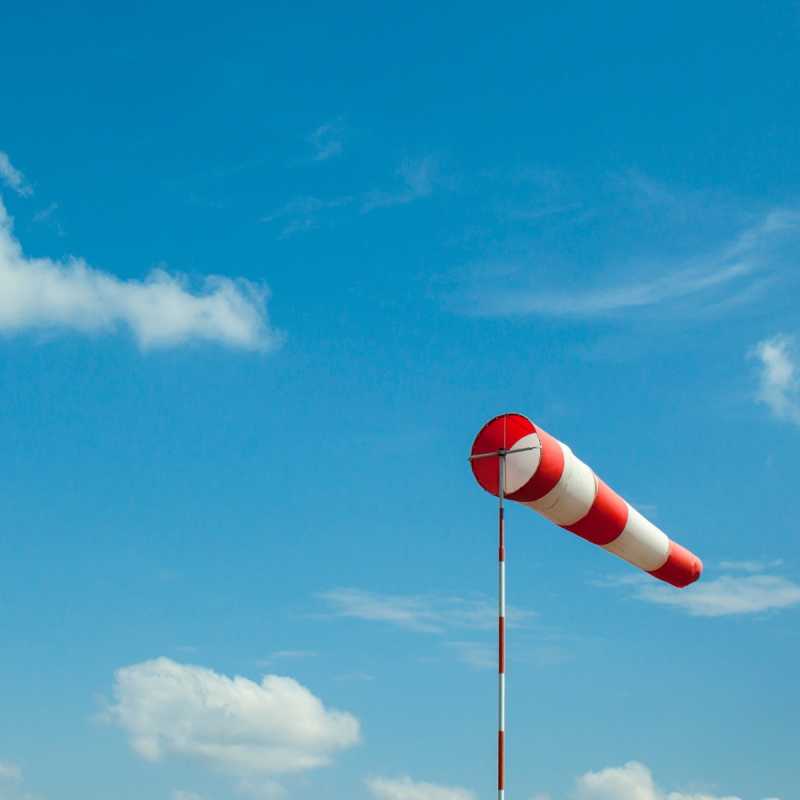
[572, 497]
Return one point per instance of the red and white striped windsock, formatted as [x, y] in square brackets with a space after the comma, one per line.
[557, 484]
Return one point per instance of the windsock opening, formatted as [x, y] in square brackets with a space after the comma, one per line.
[530, 474]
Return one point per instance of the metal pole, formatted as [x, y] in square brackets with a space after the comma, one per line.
[501, 676]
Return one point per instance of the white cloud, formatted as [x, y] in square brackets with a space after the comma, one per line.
[726, 277]
[327, 140]
[39, 293]
[602, 301]
[479, 655]
[779, 381]
[280, 655]
[9, 771]
[418, 180]
[261, 789]
[633, 781]
[750, 566]
[302, 213]
[406, 789]
[12, 786]
[724, 596]
[183, 794]
[424, 613]
[12, 177]
[244, 728]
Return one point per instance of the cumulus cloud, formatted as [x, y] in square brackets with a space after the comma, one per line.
[13, 178]
[406, 789]
[423, 613]
[778, 379]
[632, 781]
[161, 311]
[249, 730]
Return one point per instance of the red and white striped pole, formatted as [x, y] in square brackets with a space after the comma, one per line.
[501, 607]
[501, 635]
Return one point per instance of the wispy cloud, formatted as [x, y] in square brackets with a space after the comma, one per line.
[303, 213]
[482, 655]
[406, 789]
[327, 140]
[750, 566]
[778, 378]
[13, 178]
[728, 595]
[418, 179]
[422, 613]
[284, 655]
[9, 771]
[478, 655]
[261, 789]
[183, 794]
[47, 216]
[161, 311]
[249, 730]
[12, 783]
[704, 278]
[608, 300]
[46, 213]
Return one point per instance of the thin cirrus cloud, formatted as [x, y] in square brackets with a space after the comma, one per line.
[418, 179]
[251, 731]
[422, 613]
[483, 655]
[778, 377]
[9, 771]
[13, 178]
[750, 566]
[12, 783]
[161, 311]
[731, 275]
[406, 789]
[327, 140]
[727, 595]
[303, 214]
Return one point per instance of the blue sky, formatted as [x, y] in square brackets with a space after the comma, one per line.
[264, 273]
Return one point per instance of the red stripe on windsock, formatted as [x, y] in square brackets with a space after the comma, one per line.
[681, 567]
[548, 473]
[606, 518]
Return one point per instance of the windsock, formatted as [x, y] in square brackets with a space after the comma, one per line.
[550, 479]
